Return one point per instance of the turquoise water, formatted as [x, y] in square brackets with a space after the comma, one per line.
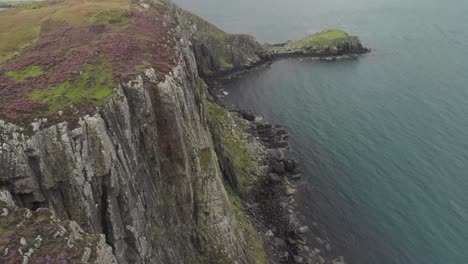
[383, 139]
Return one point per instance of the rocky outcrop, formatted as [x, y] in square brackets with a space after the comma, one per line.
[40, 237]
[218, 52]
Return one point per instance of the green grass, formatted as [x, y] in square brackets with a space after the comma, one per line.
[252, 236]
[118, 18]
[230, 132]
[94, 86]
[321, 39]
[216, 255]
[326, 38]
[31, 71]
[21, 26]
[205, 158]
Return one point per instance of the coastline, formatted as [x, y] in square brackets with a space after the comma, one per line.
[226, 76]
[271, 205]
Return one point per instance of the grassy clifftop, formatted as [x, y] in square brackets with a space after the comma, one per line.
[325, 43]
[62, 59]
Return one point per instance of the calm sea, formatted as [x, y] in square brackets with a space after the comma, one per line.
[383, 139]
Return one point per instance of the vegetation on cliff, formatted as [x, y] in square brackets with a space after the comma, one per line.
[217, 51]
[48, 48]
[241, 162]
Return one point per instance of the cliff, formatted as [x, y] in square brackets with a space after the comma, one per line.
[104, 122]
[109, 137]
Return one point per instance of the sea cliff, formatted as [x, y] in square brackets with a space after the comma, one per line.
[111, 145]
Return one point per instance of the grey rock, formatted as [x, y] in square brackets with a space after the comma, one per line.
[298, 259]
[289, 165]
[296, 176]
[275, 178]
[279, 242]
[290, 191]
[303, 229]
[319, 240]
[269, 234]
[278, 167]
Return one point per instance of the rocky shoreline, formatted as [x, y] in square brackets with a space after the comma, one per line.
[232, 74]
[271, 204]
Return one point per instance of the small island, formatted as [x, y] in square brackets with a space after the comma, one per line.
[328, 43]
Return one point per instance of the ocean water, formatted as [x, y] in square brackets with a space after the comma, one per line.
[384, 139]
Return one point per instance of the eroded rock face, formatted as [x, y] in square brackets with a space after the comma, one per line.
[40, 237]
[142, 171]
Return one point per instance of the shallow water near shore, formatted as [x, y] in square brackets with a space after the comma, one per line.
[384, 139]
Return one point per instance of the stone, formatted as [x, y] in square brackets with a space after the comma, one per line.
[285, 257]
[328, 247]
[303, 229]
[269, 234]
[278, 167]
[298, 259]
[289, 165]
[275, 178]
[296, 176]
[319, 240]
[339, 260]
[4, 212]
[23, 242]
[280, 242]
[317, 251]
[86, 255]
[321, 260]
[290, 191]
[291, 241]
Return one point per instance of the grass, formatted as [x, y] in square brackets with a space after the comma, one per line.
[230, 132]
[252, 236]
[216, 255]
[94, 86]
[21, 26]
[321, 39]
[205, 158]
[117, 19]
[31, 71]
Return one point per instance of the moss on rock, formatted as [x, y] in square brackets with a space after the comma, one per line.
[229, 134]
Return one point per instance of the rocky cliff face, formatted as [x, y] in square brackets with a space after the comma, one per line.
[141, 170]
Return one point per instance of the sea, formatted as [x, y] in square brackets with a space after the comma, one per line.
[383, 140]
